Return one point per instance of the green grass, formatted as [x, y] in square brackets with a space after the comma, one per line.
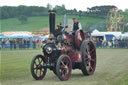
[40, 22]
[15, 64]
[37, 23]
[111, 69]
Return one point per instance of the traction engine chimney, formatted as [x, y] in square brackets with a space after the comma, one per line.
[52, 21]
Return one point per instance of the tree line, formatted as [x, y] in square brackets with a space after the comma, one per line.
[99, 11]
[28, 11]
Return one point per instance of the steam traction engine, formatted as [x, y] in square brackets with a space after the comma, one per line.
[61, 54]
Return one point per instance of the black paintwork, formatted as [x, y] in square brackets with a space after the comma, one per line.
[55, 53]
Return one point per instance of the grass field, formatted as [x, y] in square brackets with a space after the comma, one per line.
[112, 69]
[37, 23]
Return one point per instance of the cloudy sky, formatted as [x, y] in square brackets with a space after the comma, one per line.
[69, 4]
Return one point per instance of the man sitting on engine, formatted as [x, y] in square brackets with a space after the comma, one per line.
[58, 30]
[76, 25]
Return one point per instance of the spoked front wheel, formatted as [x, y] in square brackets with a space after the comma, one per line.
[88, 64]
[63, 67]
[37, 71]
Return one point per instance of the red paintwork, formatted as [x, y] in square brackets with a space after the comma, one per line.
[68, 37]
[79, 37]
[65, 49]
[75, 56]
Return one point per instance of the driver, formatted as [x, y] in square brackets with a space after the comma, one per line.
[76, 25]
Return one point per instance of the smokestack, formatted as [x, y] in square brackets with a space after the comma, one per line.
[52, 21]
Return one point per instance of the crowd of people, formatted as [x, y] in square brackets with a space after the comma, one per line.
[19, 43]
[35, 43]
[112, 43]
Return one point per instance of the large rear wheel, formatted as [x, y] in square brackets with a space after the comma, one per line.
[63, 67]
[37, 71]
[88, 64]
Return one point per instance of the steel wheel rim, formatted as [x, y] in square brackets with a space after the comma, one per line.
[90, 59]
[65, 68]
[38, 70]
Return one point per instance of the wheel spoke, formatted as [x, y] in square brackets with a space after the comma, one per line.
[92, 51]
[88, 53]
[67, 63]
[62, 71]
[39, 60]
[40, 72]
[92, 60]
[87, 50]
[62, 63]
[34, 68]
[36, 71]
[91, 68]
[35, 63]
[62, 67]
[87, 65]
[89, 43]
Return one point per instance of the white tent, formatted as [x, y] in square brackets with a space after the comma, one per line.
[44, 37]
[125, 35]
[20, 35]
[97, 33]
[116, 34]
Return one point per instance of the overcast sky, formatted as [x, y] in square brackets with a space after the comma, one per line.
[69, 4]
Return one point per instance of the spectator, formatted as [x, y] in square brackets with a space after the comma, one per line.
[37, 43]
[0, 43]
[3, 43]
[22, 43]
[14, 41]
[34, 43]
[11, 44]
[28, 43]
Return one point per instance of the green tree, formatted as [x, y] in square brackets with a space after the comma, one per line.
[49, 6]
[80, 13]
[125, 28]
[60, 9]
[23, 19]
[99, 11]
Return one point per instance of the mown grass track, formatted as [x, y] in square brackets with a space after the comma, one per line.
[112, 69]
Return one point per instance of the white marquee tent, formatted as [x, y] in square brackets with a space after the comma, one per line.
[98, 33]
